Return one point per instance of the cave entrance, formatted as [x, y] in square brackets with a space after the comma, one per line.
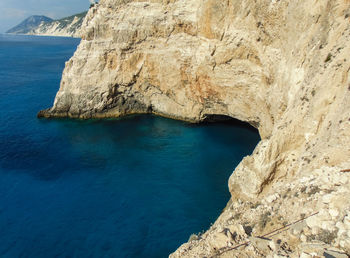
[224, 119]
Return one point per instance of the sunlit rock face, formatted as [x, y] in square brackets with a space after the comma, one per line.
[282, 66]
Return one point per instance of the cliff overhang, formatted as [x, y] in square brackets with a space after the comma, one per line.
[282, 66]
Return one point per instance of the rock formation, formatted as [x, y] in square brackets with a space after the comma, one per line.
[44, 26]
[280, 65]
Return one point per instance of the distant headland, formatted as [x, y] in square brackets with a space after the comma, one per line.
[45, 26]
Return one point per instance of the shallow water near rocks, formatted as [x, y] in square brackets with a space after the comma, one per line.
[133, 187]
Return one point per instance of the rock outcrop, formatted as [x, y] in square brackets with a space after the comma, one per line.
[44, 26]
[282, 66]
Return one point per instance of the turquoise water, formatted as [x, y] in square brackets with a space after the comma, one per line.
[134, 187]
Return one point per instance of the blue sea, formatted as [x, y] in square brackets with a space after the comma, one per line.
[132, 187]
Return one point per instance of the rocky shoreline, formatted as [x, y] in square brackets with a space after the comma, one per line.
[308, 217]
[282, 66]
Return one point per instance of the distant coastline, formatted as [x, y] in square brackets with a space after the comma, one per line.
[39, 35]
[40, 25]
[4, 34]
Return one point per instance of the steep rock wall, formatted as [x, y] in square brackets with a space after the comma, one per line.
[282, 66]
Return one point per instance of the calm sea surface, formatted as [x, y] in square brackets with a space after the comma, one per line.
[134, 187]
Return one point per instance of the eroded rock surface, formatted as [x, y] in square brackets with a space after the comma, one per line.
[283, 66]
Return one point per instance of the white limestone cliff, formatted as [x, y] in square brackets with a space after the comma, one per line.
[45, 26]
[282, 66]
[66, 27]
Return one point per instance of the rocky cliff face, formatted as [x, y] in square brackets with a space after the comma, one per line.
[282, 66]
[44, 26]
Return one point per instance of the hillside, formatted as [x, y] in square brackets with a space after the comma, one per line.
[30, 24]
[42, 25]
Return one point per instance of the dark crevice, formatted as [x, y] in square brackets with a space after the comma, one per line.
[223, 119]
